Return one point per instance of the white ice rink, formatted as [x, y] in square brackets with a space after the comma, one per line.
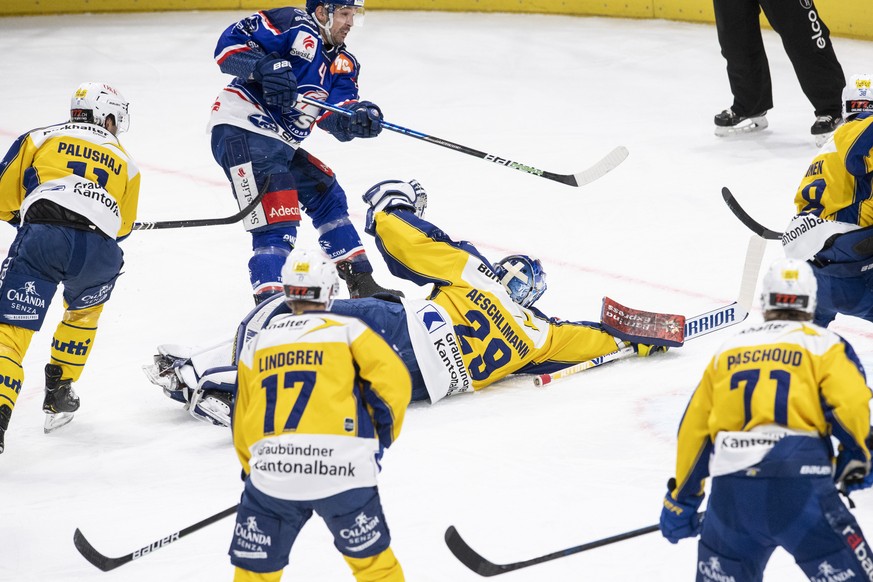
[521, 471]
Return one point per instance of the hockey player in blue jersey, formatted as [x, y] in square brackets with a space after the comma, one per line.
[257, 127]
[477, 325]
[760, 423]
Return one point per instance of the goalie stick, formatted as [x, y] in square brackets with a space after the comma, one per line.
[598, 170]
[161, 224]
[744, 217]
[106, 563]
[696, 326]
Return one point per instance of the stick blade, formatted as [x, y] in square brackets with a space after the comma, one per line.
[468, 556]
[97, 559]
[601, 168]
[746, 219]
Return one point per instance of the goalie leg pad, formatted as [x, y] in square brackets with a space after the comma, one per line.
[212, 401]
[171, 371]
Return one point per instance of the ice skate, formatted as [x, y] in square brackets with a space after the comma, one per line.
[361, 284]
[728, 123]
[60, 400]
[824, 127]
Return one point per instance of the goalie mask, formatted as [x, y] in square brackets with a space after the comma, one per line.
[789, 284]
[309, 276]
[858, 96]
[523, 277]
[94, 102]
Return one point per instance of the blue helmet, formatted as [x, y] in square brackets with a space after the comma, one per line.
[523, 277]
[311, 5]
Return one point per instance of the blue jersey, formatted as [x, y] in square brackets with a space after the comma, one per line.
[325, 74]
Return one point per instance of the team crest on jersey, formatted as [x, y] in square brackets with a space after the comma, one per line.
[431, 318]
[342, 65]
[304, 46]
[249, 25]
[263, 122]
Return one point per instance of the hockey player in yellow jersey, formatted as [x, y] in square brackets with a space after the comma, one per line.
[760, 424]
[72, 191]
[834, 225]
[319, 398]
[478, 324]
[498, 331]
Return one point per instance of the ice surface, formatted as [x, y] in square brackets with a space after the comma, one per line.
[520, 471]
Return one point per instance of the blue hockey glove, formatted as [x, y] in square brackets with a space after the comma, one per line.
[394, 195]
[679, 519]
[367, 120]
[278, 82]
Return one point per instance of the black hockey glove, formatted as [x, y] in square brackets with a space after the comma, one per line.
[278, 82]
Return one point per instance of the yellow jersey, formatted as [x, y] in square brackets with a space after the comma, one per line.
[79, 166]
[780, 376]
[319, 396]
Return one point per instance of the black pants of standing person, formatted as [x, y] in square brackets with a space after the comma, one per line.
[807, 43]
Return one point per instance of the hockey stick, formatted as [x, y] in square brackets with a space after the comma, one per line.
[105, 563]
[598, 170]
[202, 221]
[744, 217]
[470, 558]
[696, 326]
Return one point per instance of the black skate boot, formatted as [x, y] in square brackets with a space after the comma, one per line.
[5, 415]
[60, 400]
[361, 284]
[729, 123]
[824, 126]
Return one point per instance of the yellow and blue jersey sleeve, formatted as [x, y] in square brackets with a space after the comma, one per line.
[837, 184]
[12, 191]
[792, 375]
[385, 384]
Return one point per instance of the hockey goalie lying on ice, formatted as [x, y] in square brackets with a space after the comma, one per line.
[477, 326]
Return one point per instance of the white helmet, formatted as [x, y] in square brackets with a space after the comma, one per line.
[789, 284]
[858, 95]
[309, 276]
[94, 102]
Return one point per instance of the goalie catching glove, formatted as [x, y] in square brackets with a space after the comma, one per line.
[394, 195]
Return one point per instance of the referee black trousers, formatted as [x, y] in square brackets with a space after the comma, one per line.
[807, 43]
